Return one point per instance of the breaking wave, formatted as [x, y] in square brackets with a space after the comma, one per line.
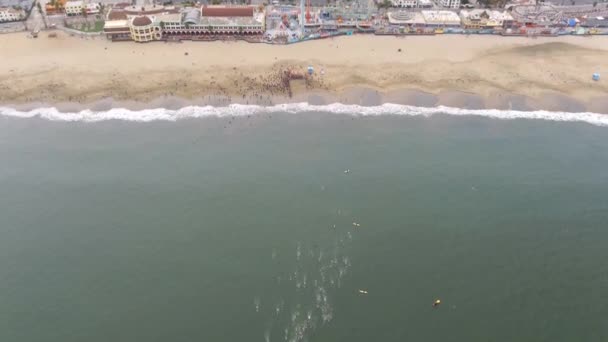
[161, 114]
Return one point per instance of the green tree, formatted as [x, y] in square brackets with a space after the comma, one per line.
[162, 25]
[385, 4]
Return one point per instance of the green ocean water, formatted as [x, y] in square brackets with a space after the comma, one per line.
[242, 230]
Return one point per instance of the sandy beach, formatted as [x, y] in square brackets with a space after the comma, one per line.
[454, 70]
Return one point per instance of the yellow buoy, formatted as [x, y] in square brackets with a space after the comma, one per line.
[437, 302]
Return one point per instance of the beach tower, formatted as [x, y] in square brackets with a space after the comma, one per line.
[596, 76]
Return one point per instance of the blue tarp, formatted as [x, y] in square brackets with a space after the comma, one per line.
[572, 22]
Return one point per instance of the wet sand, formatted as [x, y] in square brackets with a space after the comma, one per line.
[358, 96]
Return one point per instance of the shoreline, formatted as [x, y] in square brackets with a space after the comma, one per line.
[478, 72]
[361, 96]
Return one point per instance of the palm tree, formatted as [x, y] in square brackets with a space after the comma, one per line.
[162, 25]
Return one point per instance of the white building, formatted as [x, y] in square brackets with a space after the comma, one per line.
[450, 3]
[425, 4]
[441, 18]
[76, 8]
[412, 3]
[73, 7]
[405, 3]
[485, 18]
[403, 18]
[92, 8]
[10, 14]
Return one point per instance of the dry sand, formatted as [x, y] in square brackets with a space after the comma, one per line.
[474, 71]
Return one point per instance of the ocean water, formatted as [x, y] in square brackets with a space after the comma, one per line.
[267, 226]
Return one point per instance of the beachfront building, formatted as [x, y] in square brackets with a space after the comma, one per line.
[8, 14]
[485, 19]
[441, 18]
[450, 3]
[142, 29]
[233, 20]
[117, 30]
[116, 26]
[119, 21]
[403, 18]
[204, 23]
[216, 21]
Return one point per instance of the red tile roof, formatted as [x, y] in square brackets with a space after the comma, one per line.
[117, 15]
[141, 21]
[121, 5]
[241, 11]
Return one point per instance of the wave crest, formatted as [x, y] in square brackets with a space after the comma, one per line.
[161, 114]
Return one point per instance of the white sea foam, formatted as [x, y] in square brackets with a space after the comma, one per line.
[161, 114]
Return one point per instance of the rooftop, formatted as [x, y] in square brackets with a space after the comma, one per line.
[403, 17]
[73, 3]
[477, 14]
[22, 3]
[441, 17]
[10, 10]
[116, 26]
[111, 24]
[141, 21]
[192, 16]
[227, 11]
[117, 14]
[168, 17]
[227, 21]
[154, 9]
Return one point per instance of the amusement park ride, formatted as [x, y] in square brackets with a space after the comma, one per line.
[306, 10]
[308, 16]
